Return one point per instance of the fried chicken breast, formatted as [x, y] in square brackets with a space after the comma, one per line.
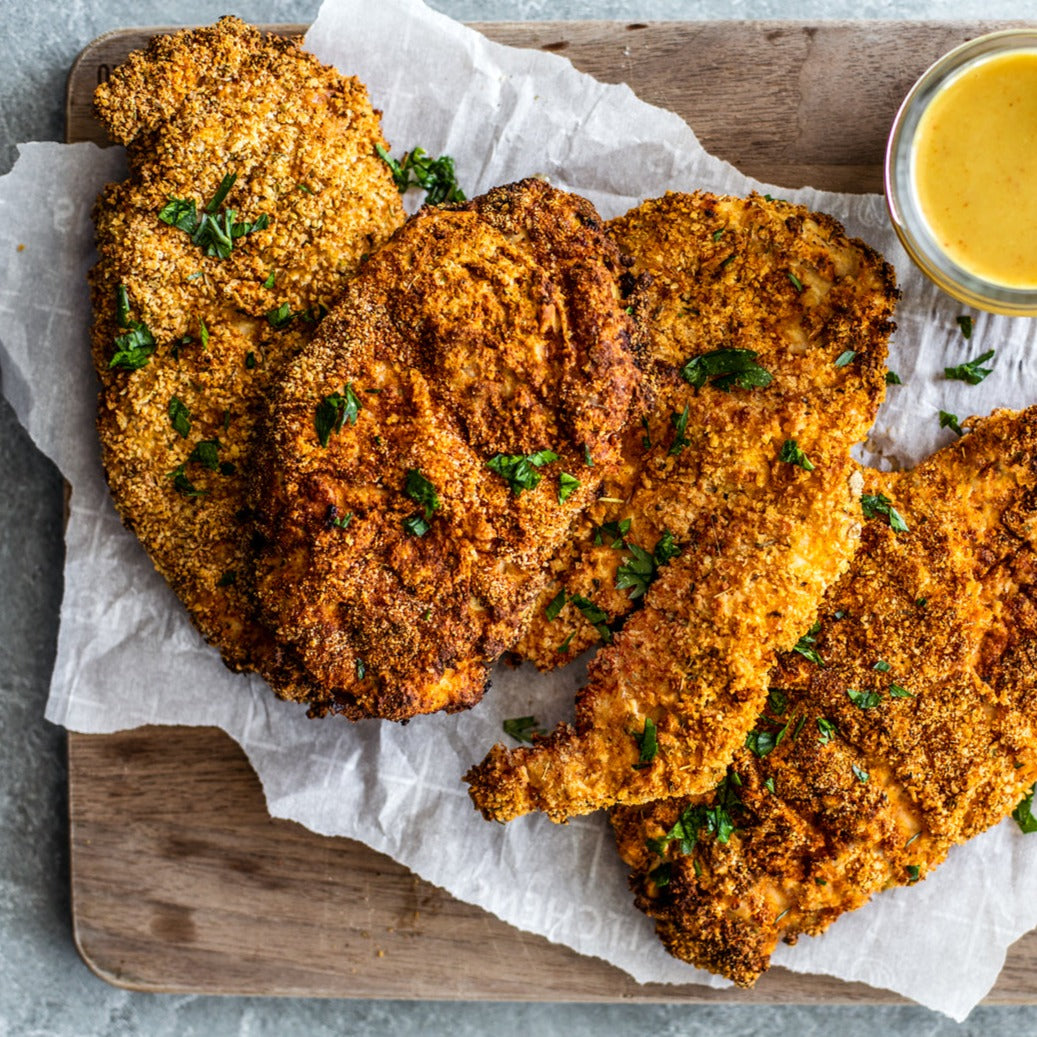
[255, 190]
[913, 728]
[735, 507]
[423, 460]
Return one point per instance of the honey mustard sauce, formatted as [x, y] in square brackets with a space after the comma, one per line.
[975, 169]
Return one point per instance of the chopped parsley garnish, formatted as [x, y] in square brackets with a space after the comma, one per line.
[228, 579]
[281, 316]
[183, 485]
[791, 454]
[777, 701]
[769, 785]
[522, 729]
[882, 666]
[1023, 813]
[680, 426]
[827, 730]
[647, 743]
[564, 646]
[416, 525]
[597, 617]
[436, 175]
[845, 357]
[641, 568]
[726, 369]
[760, 743]
[971, 371]
[422, 492]
[250, 360]
[614, 531]
[892, 378]
[914, 872]
[554, 606]
[859, 773]
[715, 819]
[880, 506]
[866, 699]
[134, 347]
[965, 323]
[334, 411]
[519, 471]
[588, 461]
[796, 282]
[361, 669]
[207, 454]
[661, 875]
[337, 520]
[567, 484]
[948, 420]
[646, 439]
[805, 645]
[179, 417]
[214, 233]
[269, 282]
[898, 691]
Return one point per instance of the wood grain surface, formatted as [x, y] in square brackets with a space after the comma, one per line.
[181, 882]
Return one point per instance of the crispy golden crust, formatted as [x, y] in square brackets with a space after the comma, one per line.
[300, 138]
[760, 538]
[826, 821]
[491, 328]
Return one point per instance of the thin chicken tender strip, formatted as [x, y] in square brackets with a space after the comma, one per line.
[766, 332]
[919, 731]
[426, 456]
[276, 155]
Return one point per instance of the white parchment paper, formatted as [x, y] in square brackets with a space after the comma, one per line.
[127, 654]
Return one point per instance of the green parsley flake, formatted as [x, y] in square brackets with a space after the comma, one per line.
[827, 730]
[567, 484]
[554, 606]
[866, 699]
[361, 669]
[846, 357]
[914, 873]
[680, 425]
[791, 454]
[334, 411]
[597, 617]
[339, 521]
[183, 485]
[647, 743]
[971, 371]
[206, 453]
[805, 645]
[519, 471]
[777, 701]
[436, 175]
[965, 323]
[641, 568]
[214, 233]
[416, 525]
[614, 531]
[522, 729]
[948, 420]
[859, 773]
[796, 282]
[878, 506]
[228, 579]
[269, 282]
[134, 347]
[564, 646]
[726, 369]
[179, 417]
[422, 492]
[769, 785]
[1023, 814]
[882, 666]
[892, 378]
[898, 691]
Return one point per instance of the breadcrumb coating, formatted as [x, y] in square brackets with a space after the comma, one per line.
[398, 560]
[760, 533]
[917, 733]
[196, 110]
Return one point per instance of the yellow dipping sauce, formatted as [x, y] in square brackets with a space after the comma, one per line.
[975, 168]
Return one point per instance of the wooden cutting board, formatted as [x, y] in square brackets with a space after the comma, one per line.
[180, 880]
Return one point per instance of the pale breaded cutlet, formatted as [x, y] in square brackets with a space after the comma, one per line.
[426, 456]
[255, 191]
[734, 508]
[912, 728]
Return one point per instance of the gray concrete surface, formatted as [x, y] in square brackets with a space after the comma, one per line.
[44, 987]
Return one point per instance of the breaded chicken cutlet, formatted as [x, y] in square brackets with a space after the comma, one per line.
[426, 456]
[918, 731]
[255, 191]
[734, 509]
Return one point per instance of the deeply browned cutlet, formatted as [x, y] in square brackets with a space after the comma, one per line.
[736, 504]
[406, 537]
[918, 732]
[309, 198]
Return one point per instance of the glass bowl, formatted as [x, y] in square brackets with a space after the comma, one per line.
[908, 218]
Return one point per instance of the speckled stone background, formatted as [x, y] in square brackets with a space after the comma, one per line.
[45, 989]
